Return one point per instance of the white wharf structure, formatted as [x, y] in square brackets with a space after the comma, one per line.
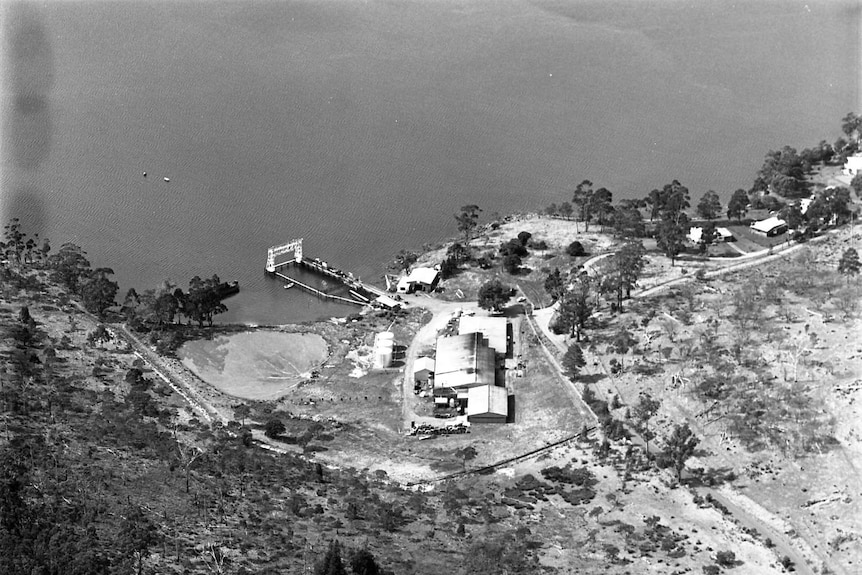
[294, 246]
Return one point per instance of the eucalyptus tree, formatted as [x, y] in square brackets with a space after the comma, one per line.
[468, 220]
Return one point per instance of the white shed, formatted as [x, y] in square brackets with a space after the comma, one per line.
[423, 368]
[487, 404]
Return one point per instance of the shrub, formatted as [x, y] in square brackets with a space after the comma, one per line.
[725, 558]
[575, 249]
[274, 428]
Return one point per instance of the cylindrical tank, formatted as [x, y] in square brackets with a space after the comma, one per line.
[383, 355]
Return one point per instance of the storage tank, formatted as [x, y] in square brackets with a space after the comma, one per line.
[384, 343]
[383, 355]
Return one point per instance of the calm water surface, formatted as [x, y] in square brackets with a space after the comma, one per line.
[363, 126]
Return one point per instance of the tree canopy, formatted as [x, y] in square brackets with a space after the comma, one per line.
[738, 205]
[626, 267]
[671, 234]
[573, 361]
[468, 220]
[709, 206]
[98, 292]
[70, 266]
[783, 172]
[582, 199]
[493, 295]
[555, 285]
[331, 563]
[680, 447]
[851, 125]
[849, 263]
[575, 308]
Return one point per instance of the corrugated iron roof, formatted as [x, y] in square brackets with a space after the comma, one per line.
[487, 399]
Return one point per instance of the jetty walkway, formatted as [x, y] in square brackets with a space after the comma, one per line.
[360, 293]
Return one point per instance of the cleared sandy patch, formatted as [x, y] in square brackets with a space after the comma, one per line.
[255, 365]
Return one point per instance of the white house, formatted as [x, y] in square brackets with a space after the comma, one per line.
[773, 226]
[422, 279]
[853, 165]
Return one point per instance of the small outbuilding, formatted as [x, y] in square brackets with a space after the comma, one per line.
[423, 369]
[725, 235]
[769, 227]
[487, 404]
[387, 302]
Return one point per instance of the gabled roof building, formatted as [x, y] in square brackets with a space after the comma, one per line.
[422, 279]
[773, 226]
[487, 404]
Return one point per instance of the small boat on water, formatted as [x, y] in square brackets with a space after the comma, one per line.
[289, 285]
[167, 179]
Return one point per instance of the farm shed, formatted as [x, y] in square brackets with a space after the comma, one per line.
[463, 361]
[423, 368]
[487, 404]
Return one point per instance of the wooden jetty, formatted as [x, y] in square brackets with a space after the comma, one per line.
[317, 292]
[362, 293]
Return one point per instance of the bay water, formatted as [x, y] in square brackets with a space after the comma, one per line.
[363, 126]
